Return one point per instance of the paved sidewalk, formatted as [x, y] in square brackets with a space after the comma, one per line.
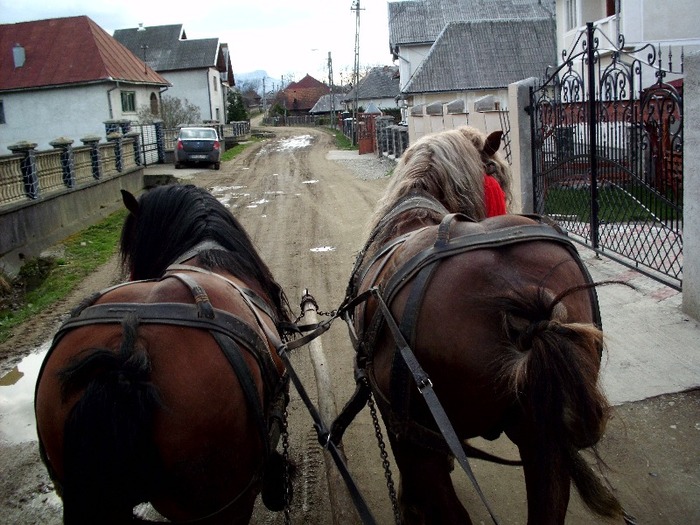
[653, 348]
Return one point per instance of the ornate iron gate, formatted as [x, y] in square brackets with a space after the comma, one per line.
[607, 153]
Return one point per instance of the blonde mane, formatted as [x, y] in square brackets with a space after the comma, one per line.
[450, 167]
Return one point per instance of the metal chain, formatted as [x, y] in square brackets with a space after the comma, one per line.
[385, 459]
[287, 477]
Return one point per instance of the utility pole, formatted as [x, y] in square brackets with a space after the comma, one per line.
[330, 84]
[356, 70]
[264, 97]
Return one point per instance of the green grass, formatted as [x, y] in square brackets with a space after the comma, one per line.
[615, 205]
[229, 154]
[342, 142]
[84, 252]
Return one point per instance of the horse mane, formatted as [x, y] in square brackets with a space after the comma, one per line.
[448, 166]
[174, 218]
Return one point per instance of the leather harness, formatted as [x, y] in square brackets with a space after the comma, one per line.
[232, 334]
[416, 272]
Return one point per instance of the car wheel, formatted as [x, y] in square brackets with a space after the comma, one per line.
[178, 166]
[217, 166]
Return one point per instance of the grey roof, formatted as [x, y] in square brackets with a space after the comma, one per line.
[324, 103]
[379, 82]
[168, 48]
[486, 54]
[421, 21]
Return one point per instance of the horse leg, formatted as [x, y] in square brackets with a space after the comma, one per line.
[426, 493]
[548, 483]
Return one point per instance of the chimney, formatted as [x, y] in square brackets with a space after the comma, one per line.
[18, 55]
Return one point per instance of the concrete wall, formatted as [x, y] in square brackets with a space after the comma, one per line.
[691, 187]
[31, 226]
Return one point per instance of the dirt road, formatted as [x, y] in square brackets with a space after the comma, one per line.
[306, 214]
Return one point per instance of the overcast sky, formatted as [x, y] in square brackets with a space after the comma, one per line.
[282, 37]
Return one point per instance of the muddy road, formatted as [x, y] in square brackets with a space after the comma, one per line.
[305, 207]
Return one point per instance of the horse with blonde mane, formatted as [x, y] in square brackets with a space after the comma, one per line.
[500, 313]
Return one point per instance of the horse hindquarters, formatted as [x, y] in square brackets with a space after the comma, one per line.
[553, 373]
[109, 456]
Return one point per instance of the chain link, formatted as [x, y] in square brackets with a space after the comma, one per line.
[385, 459]
[287, 477]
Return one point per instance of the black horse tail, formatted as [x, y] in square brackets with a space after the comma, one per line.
[553, 370]
[110, 461]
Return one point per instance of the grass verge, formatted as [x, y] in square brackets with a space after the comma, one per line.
[41, 283]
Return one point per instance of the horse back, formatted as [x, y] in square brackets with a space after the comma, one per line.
[458, 329]
[203, 426]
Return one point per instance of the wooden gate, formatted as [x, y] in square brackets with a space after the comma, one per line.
[366, 133]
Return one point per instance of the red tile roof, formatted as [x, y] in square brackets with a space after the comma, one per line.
[300, 97]
[65, 51]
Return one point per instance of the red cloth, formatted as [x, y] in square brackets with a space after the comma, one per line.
[494, 197]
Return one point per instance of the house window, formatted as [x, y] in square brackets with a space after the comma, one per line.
[2, 112]
[571, 14]
[610, 7]
[154, 104]
[218, 115]
[128, 101]
[213, 81]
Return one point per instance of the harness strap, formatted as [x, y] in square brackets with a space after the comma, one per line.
[240, 367]
[425, 387]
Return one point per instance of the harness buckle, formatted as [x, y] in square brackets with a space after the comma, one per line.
[424, 383]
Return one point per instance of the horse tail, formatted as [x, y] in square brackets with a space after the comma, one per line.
[553, 369]
[109, 456]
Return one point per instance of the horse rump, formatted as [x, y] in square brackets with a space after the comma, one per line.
[110, 460]
[552, 369]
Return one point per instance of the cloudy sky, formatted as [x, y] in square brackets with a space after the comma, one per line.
[282, 37]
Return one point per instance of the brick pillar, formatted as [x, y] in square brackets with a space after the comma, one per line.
[67, 163]
[93, 141]
[30, 176]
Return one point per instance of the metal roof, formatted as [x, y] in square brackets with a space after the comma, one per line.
[67, 51]
[421, 21]
[485, 54]
[379, 82]
[167, 48]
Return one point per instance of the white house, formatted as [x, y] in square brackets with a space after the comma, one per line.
[670, 26]
[65, 77]
[199, 69]
[456, 58]
[379, 87]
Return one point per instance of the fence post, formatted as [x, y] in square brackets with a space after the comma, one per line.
[28, 166]
[93, 141]
[116, 139]
[137, 146]
[520, 114]
[67, 165]
[691, 187]
[592, 134]
[160, 141]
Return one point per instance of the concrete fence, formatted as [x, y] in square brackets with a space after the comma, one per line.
[45, 196]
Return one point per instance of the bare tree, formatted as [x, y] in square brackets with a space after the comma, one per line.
[174, 112]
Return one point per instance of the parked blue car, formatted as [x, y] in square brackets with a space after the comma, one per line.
[198, 145]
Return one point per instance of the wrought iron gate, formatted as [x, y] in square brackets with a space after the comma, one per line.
[151, 142]
[607, 153]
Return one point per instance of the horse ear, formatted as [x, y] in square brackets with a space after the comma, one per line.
[130, 202]
[493, 142]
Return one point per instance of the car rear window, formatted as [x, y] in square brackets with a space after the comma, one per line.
[198, 134]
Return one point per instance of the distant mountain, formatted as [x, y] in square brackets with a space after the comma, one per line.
[254, 79]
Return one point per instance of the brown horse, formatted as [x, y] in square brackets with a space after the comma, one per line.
[502, 316]
[168, 389]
